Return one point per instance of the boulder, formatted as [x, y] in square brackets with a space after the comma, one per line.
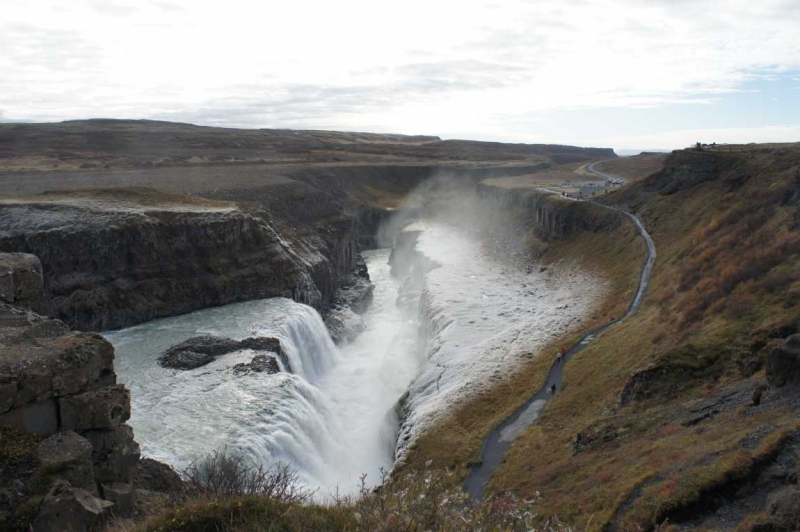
[196, 352]
[105, 408]
[115, 454]
[68, 456]
[122, 495]
[152, 475]
[259, 364]
[70, 509]
[261, 343]
[783, 363]
[21, 279]
[201, 350]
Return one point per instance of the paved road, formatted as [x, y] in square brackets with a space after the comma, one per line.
[591, 168]
[500, 439]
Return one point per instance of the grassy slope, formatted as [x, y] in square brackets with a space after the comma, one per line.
[726, 275]
[634, 168]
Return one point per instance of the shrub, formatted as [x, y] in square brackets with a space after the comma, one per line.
[223, 475]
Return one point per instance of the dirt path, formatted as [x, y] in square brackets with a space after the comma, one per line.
[500, 439]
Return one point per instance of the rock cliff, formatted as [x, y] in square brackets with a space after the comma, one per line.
[68, 458]
[553, 217]
[113, 262]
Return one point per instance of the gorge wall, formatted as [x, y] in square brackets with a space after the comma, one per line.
[549, 216]
[112, 262]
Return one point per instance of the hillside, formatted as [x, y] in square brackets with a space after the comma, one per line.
[686, 412]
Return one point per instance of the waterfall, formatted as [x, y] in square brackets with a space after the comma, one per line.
[331, 419]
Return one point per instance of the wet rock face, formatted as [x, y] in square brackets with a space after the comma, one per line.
[259, 364]
[201, 350]
[783, 363]
[343, 320]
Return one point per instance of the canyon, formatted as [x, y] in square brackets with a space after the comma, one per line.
[417, 290]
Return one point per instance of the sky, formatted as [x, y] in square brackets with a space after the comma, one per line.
[644, 74]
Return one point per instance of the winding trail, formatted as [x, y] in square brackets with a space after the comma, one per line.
[500, 439]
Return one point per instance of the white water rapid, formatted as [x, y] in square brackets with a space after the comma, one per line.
[332, 419]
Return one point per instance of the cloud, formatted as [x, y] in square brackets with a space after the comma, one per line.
[425, 67]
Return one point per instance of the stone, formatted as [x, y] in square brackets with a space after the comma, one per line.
[122, 495]
[201, 350]
[152, 475]
[21, 279]
[68, 456]
[783, 363]
[262, 343]
[115, 454]
[70, 509]
[36, 418]
[196, 352]
[98, 409]
[259, 364]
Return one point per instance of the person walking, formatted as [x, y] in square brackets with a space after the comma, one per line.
[553, 389]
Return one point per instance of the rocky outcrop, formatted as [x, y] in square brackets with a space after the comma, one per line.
[200, 350]
[259, 364]
[59, 386]
[687, 168]
[783, 363]
[113, 264]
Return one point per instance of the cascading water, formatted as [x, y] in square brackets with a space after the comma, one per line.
[332, 419]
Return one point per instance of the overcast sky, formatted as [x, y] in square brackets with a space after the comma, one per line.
[624, 74]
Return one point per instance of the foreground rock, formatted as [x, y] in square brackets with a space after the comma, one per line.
[201, 350]
[68, 508]
[68, 458]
